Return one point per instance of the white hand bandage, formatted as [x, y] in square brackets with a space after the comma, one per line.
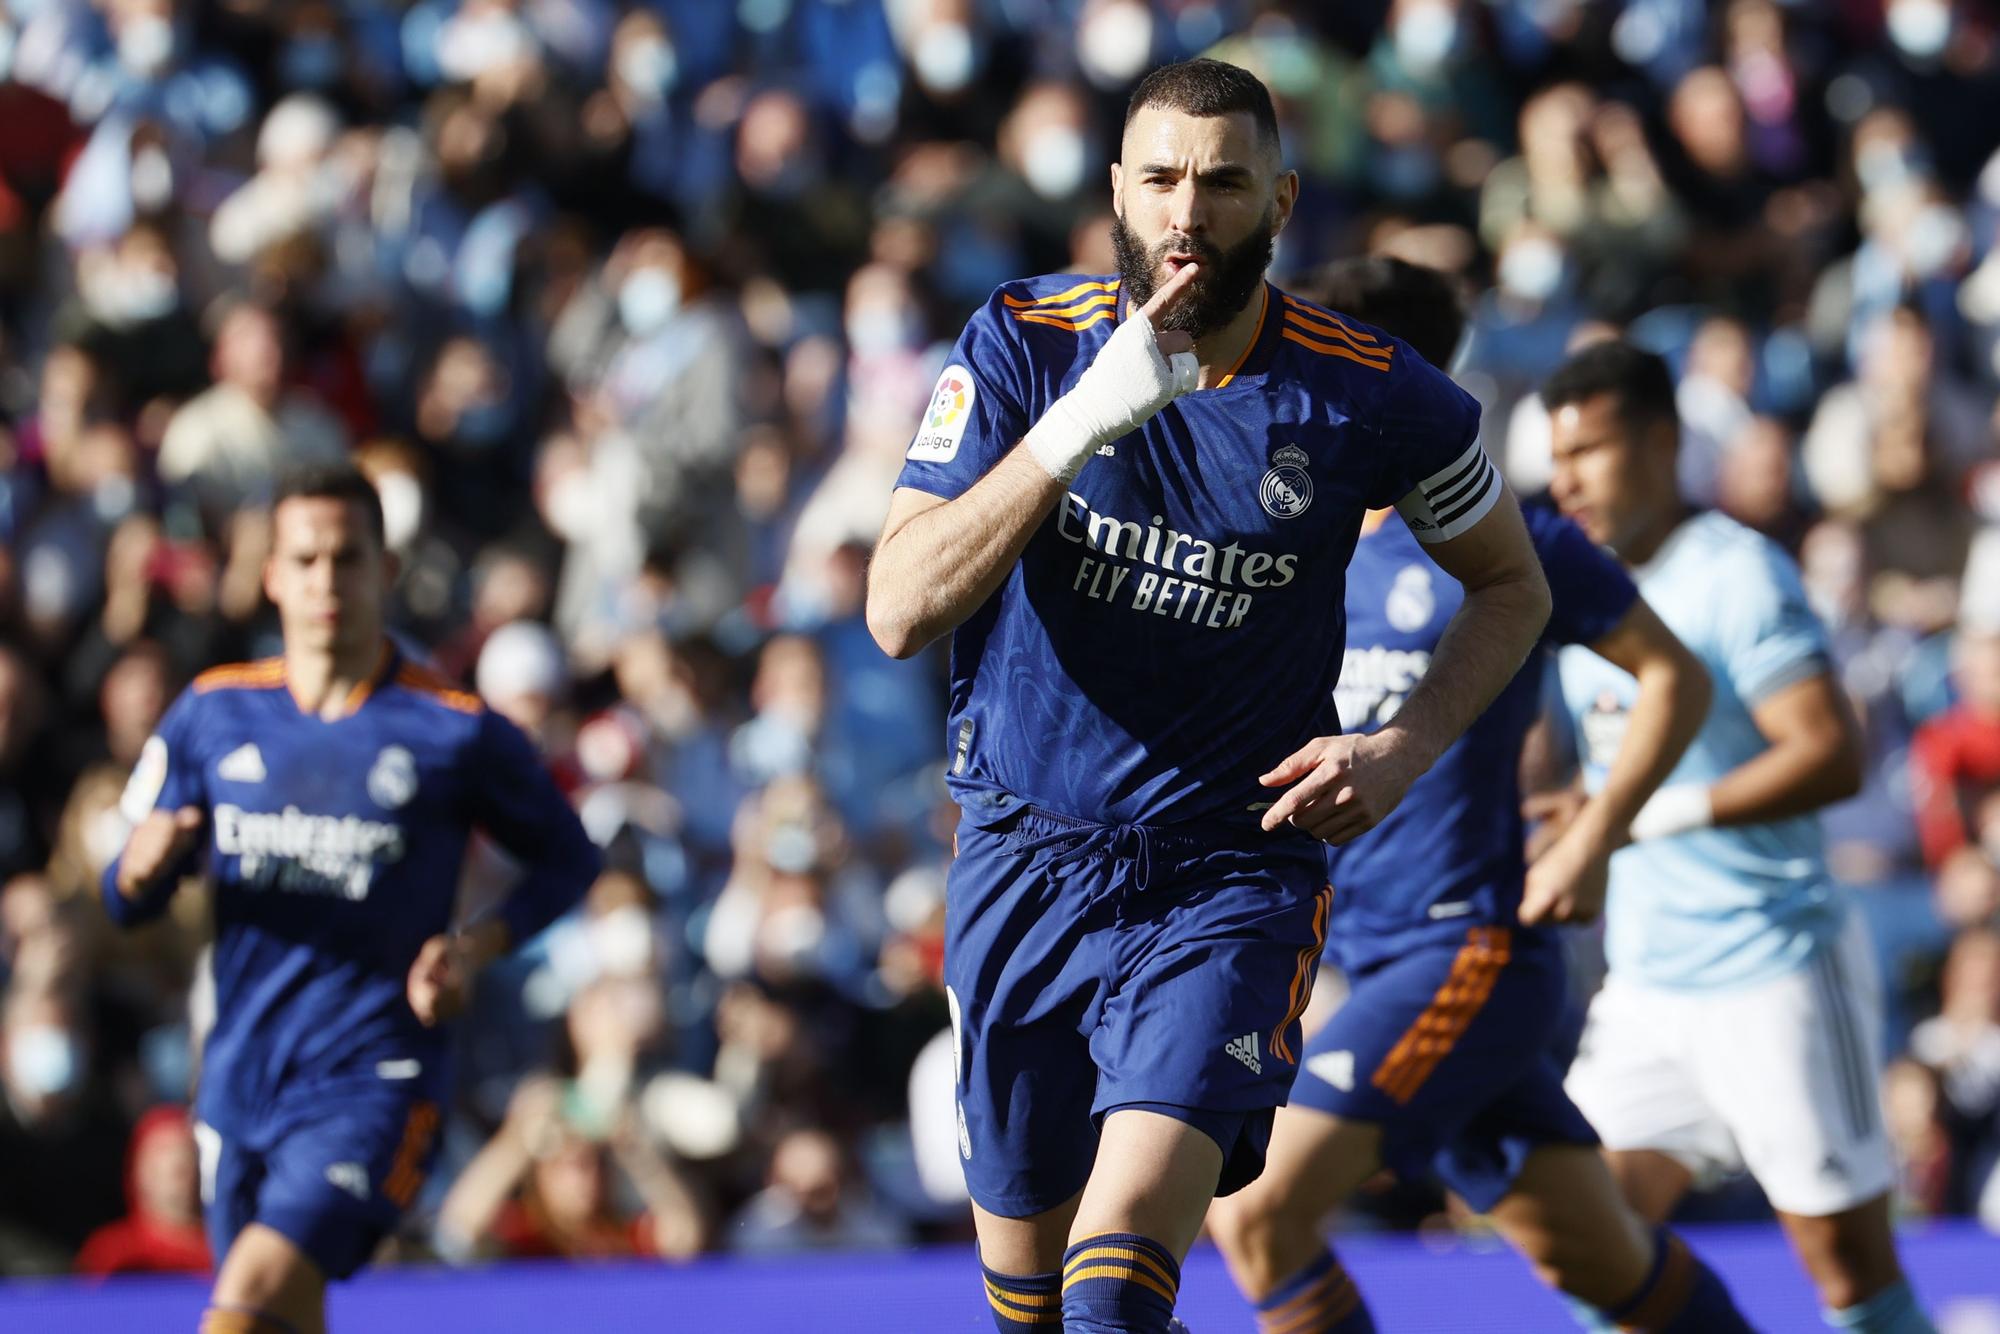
[1127, 383]
[1673, 810]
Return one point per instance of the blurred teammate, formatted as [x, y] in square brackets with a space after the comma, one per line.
[1740, 1022]
[1132, 503]
[329, 793]
[1439, 1058]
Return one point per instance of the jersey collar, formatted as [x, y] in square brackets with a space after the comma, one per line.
[385, 669]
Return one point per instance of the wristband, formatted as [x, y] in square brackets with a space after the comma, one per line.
[1673, 810]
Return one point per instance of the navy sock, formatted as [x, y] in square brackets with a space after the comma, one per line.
[1024, 1302]
[1319, 1299]
[1893, 1310]
[1118, 1283]
[1680, 1296]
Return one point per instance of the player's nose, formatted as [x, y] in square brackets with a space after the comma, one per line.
[1186, 215]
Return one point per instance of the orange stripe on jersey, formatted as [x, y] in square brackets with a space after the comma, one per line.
[1019, 303]
[1256, 337]
[1070, 312]
[1296, 320]
[1291, 332]
[1302, 977]
[1027, 317]
[1451, 1011]
[427, 682]
[1334, 324]
[263, 674]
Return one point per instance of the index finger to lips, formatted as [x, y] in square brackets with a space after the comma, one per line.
[1170, 290]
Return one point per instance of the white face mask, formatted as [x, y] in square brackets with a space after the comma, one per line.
[647, 66]
[944, 57]
[1055, 161]
[1424, 38]
[402, 508]
[152, 180]
[1116, 44]
[647, 300]
[1532, 269]
[622, 940]
[1936, 236]
[42, 1061]
[1919, 27]
[875, 330]
[146, 45]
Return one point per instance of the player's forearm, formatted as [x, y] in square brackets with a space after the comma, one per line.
[1479, 653]
[1795, 778]
[1672, 702]
[556, 881]
[932, 573]
[480, 1192]
[132, 904]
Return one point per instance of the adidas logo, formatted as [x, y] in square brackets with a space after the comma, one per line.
[1244, 1049]
[245, 764]
[350, 1177]
[1335, 1067]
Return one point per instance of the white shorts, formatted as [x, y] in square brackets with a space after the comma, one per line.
[1780, 1077]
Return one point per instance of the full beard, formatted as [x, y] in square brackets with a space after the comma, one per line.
[1228, 277]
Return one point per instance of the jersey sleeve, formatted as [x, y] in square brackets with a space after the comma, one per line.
[1589, 590]
[167, 777]
[517, 803]
[1433, 470]
[977, 410]
[1767, 636]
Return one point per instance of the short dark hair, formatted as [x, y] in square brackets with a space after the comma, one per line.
[1639, 379]
[333, 481]
[1415, 302]
[1205, 87]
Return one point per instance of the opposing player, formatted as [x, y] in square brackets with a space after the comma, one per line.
[329, 793]
[1132, 503]
[1439, 1058]
[1740, 1023]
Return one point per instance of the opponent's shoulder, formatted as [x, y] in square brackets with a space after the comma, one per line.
[262, 674]
[433, 689]
[1718, 546]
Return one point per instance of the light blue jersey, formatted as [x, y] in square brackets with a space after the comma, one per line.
[1713, 907]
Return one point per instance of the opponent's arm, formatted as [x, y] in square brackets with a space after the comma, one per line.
[1566, 883]
[938, 560]
[1343, 786]
[1814, 758]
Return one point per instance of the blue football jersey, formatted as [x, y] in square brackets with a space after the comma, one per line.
[1174, 629]
[1450, 856]
[335, 848]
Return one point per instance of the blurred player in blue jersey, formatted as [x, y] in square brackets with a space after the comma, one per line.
[1740, 1025]
[1132, 503]
[329, 793]
[1439, 1059]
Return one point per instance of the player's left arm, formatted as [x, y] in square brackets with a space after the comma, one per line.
[1340, 787]
[517, 803]
[1777, 659]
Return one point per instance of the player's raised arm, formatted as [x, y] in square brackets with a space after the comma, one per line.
[938, 559]
[1567, 882]
[168, 809]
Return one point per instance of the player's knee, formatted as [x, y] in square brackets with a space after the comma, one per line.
[1244, 1225]
[264, 1272]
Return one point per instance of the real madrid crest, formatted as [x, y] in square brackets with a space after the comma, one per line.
[1287, 489]
[393, 780]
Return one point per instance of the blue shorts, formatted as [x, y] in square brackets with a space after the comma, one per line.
[333, 1175]
[1447, 1049]
[1092, 967]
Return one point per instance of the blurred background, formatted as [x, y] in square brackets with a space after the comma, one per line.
[629, 308]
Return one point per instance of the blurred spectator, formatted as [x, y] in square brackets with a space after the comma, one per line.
[163, 1232]
[230, 441]
[813, 1202]
[1955, 772]
[542, 1188]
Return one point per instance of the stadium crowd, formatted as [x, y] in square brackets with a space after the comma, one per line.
[629, 309]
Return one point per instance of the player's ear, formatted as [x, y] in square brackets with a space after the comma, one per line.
[1285, 194]
[1118, 189]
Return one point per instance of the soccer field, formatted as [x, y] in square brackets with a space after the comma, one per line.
[1460, 1286]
